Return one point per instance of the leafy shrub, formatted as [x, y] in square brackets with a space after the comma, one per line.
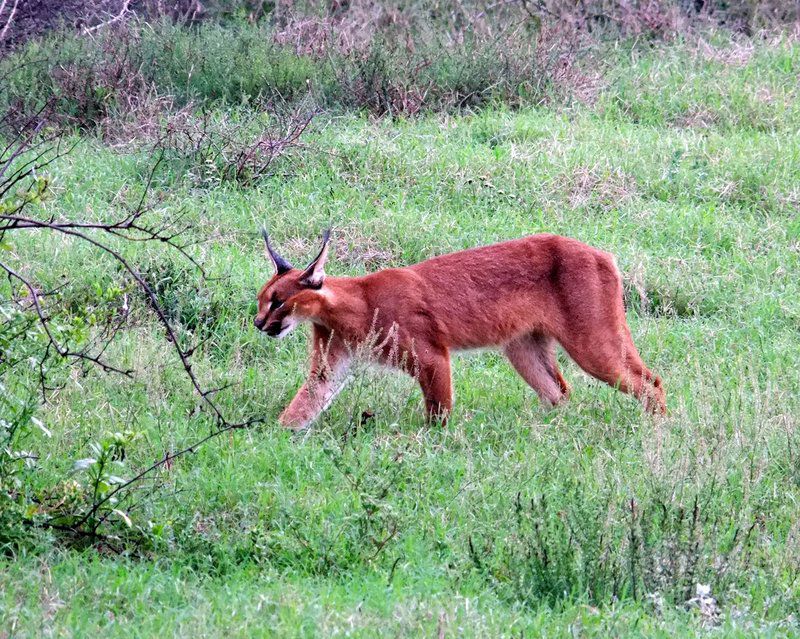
[48, 335]
[16, 467]
[581, 544]
[81, 81]
[86, 80]
[29, 372]
[182, 299]
[386, 70]
[214, 63]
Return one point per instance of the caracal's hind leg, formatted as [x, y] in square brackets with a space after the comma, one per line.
[533, 356]
[330, 362]
[610, 355]
[646, 385]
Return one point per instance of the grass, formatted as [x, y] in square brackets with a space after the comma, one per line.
[593, 519]
[137, 69]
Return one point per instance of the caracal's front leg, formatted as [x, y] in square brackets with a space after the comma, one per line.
[330, 361]
[435, 379]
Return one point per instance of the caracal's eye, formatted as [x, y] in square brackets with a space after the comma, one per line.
[276, 304]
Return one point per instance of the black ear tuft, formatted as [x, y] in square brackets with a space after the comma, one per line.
[281, 265]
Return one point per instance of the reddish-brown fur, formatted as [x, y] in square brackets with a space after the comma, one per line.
[523, 296]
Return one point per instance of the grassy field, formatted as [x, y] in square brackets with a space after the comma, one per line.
[593, 519]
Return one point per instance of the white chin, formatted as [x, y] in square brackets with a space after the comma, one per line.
[286, 329]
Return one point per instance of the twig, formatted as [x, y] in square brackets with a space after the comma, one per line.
[44, 322]
[125, 9]
[10, 17]
[166, 459]
[130, 227]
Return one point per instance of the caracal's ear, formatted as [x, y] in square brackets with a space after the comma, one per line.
[280, 265]
[314, 275]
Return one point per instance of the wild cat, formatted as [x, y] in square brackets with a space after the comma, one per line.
[522, 296]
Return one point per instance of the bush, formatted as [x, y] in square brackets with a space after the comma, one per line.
[17, 422]
[404, 59]
[386, 69]
[87, 80]
[241, 147]
[580, 544]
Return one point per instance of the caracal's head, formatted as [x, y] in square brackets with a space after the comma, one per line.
[280, 297]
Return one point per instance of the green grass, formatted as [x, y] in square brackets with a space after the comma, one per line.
[512, 520]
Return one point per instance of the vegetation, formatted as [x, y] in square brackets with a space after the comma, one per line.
[593, 519]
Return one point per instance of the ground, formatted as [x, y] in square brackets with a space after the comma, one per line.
[593, 519]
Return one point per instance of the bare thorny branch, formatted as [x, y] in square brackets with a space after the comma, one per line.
[241, 152]
[20, 164]
[124, 9]
[131, 227]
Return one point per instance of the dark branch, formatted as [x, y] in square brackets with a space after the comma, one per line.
[20, 162]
